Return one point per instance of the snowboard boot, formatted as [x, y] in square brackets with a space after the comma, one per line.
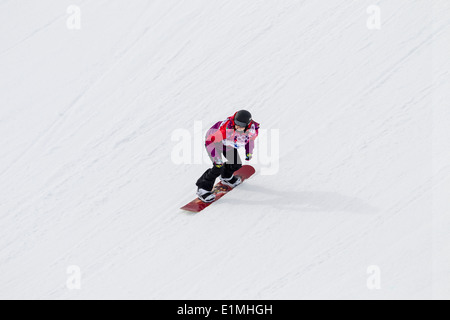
[205, 195]
[231, 182]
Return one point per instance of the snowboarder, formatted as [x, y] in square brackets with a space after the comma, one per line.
[226, 137]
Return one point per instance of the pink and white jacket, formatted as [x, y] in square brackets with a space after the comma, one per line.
[222, 135]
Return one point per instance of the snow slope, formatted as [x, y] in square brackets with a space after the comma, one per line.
[88, 179]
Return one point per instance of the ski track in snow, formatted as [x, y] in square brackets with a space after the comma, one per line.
[87, 178]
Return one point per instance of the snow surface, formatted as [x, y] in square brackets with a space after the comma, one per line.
[88, 177]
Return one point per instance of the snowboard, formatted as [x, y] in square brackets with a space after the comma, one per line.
[219, 190]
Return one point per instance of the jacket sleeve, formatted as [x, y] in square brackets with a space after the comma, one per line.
[250, 146]
[251, 142]
[213, 141]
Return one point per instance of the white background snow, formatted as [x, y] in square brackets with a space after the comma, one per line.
[358, 208]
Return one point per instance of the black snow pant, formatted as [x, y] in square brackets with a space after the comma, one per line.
[233, 163]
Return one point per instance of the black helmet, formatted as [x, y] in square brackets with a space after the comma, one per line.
[243, 118]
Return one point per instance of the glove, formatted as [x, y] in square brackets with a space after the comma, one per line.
[218, 163]
[248, 157]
